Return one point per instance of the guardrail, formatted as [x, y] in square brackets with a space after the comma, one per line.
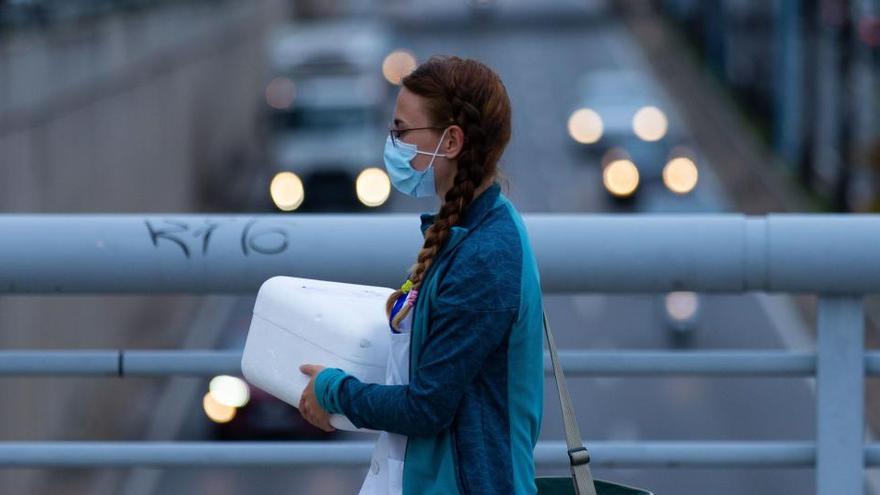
[145, 363]
[836, 257]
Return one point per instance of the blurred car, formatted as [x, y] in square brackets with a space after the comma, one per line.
[624, 117]
[239, 411]
[327, 100]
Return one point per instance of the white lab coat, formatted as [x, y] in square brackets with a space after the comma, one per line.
[385, 476]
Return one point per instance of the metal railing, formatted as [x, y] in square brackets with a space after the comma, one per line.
[834, 256]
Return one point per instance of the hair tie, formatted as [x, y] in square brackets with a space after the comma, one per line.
[411, 297]
[405, 288]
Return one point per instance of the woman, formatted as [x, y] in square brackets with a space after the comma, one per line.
[471, 412]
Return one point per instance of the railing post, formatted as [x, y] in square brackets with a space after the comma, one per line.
[840, 395]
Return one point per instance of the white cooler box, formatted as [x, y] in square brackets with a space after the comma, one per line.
[298, 321]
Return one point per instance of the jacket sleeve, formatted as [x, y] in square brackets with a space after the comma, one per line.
[468, 322]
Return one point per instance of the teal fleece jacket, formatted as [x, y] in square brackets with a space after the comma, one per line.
[473, 407]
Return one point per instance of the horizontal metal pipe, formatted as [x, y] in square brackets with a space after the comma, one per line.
[602, 253]
[574, 363]
[192, 363]
[60, 363]
[357, 453]
[711, 363]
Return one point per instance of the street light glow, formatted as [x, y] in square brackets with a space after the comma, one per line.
[397, 65]
[373, 187]
[650, 124]
[585, 126]
[621, 177]
[287, 191]
[680, 175]
[280, 93]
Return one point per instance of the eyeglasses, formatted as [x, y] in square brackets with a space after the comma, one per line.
[397, 133]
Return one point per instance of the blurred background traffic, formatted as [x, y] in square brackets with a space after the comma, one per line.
[283, 106]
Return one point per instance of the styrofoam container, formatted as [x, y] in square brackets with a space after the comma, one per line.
[300, 321]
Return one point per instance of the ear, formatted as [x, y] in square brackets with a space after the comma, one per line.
[453, 142]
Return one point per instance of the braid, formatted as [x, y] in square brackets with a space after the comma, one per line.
[436, 236]
[468, 94]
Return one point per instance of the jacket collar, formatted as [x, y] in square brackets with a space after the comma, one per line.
[473, 215]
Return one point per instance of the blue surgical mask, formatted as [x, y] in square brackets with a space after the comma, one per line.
[406, 179]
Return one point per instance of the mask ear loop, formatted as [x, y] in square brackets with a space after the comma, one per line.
[435, 154]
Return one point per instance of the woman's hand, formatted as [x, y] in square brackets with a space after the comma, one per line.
[308, 403]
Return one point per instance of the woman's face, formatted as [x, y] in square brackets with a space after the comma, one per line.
[409, 112]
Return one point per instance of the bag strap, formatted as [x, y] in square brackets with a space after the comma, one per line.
[578, 455]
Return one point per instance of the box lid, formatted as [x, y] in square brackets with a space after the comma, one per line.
[344, 319]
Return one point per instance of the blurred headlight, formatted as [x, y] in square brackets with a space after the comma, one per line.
[681, 305]
[650, 124]
[280, 93]
[585, 126]
[621, 177]
[373, 187]
[680, 175]
[397, 65]
[215, 411]
[287, 191]
[229, 391]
